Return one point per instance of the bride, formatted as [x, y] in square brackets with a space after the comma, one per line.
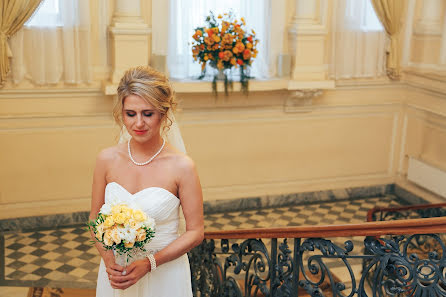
[159, 178]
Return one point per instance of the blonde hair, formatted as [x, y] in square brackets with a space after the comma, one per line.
[152, 86]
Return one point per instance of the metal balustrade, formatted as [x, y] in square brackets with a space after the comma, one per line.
[296, 261]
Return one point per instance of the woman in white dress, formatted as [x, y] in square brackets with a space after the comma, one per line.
[160, 178]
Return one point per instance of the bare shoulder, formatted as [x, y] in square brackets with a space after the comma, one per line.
[183, 163]
[109, 154]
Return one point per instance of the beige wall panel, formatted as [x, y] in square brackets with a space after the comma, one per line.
[426, 49]
[434, 146]
[54, 163]
[426, 139]
[424, 136]
[274, 149]
[53, 104]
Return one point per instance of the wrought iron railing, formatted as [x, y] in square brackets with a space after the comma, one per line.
[298, 261]
[406, 212]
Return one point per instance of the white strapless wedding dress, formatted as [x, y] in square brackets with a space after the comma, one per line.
[171, 279]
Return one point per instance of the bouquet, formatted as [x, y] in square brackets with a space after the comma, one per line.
[224, 43]
[123, 228]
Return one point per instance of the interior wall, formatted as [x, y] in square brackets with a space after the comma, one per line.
[356, 134]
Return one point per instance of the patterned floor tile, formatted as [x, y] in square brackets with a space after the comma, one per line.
[52, 257]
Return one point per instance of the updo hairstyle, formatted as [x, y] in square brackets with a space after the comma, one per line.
[152, 86]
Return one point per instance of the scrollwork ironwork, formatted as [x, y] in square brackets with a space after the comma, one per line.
[394, 266]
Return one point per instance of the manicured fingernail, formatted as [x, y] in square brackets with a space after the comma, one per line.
[124, 272]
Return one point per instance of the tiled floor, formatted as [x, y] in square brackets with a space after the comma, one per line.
[65, 258]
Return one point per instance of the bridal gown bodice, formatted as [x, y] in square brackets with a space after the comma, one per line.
[163, 207]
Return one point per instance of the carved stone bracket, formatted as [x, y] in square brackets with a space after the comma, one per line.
[301, 100]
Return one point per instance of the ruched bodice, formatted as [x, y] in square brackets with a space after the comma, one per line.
[158, 203]
[163, 207]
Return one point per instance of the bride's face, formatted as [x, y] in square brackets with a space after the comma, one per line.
[142, 119]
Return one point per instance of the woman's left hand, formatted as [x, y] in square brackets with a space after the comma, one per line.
[133, 273]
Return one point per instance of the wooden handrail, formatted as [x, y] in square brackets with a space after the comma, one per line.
[397, 227]
[399, 208]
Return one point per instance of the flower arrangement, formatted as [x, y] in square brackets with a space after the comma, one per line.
[223, 44]
[122, 227]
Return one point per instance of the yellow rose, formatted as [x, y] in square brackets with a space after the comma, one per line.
[120, 218]
[116, 209]
[115, 236]
[99, 231]
[129, 244]
[139, 216]
[108, 222]
[141, 235]
[134, 224]
[107, 238]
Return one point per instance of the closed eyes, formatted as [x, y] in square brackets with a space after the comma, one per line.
[145, 113]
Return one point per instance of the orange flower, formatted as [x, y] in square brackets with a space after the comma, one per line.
[209, 40]
[249, 45]
[210, 32]
[233, 61]
[216, 38]
[227, 38]
[239, 61]
[220, 65]
[227, 55]
[249, 38]
[238, 48]
[246, 54]
[221, 55]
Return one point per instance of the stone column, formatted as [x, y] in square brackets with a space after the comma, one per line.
[430, 20]
[307, 33]
[130, 38]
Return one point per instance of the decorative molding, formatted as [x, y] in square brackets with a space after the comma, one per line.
[301, 100]
[314, 25]
[424, 28]
[50, 93]
[430, 20]
[408, 32]
[434, 82]
[200, 86]
[135, 29]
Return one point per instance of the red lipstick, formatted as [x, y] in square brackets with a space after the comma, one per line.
[140, 132]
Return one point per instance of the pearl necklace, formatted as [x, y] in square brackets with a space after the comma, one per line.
[148, 161]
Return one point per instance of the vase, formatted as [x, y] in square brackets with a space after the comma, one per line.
[221, 74]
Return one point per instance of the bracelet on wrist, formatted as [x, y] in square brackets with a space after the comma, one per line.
[152, 262]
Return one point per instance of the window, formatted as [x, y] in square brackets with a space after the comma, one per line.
[185, 15]
[359, 41]
[47, 15]
[370, 20]
[361, 14]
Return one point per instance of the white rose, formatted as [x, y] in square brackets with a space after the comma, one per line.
[105, 209]
[115, 236]
[129, 234]
[150, 223]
